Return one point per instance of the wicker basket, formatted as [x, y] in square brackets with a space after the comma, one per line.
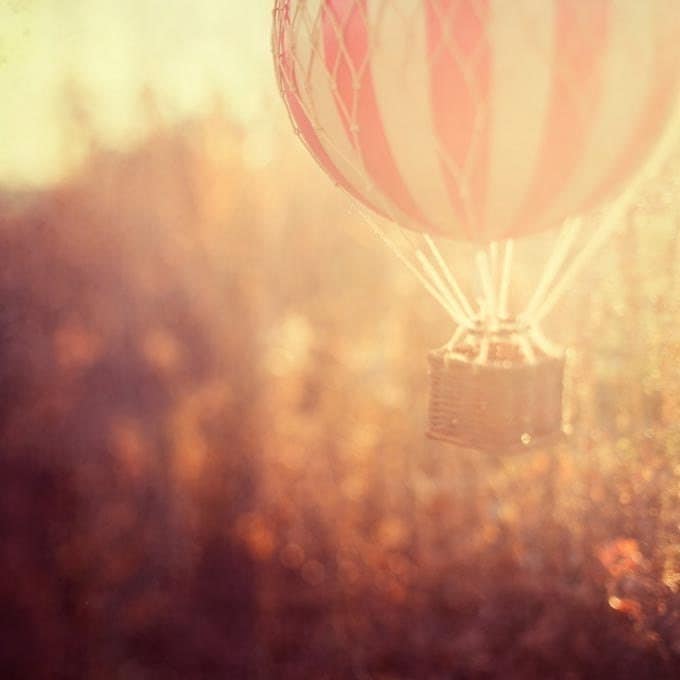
[497, 406]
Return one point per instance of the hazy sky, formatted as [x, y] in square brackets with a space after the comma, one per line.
[187, 49]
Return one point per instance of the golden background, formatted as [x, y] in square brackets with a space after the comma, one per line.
[213, 391]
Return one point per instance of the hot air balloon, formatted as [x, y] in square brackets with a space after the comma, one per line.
[485, 121]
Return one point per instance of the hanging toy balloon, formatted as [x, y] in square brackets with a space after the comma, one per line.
[484, 121]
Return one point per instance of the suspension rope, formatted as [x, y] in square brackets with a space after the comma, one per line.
[610, 222]
[429, 287]
[455, 339]
[552, 267]
[487, 286]
[546, 346]
[460, 295]
[526, 348]
[493, 263]
[613, 214]
[428, 278]
[437, 280]
[452, 292]
[296, 80]
[505, 279]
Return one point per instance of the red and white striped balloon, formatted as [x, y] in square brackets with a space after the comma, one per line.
[479, 119]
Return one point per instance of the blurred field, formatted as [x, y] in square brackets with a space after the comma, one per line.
[213, 462]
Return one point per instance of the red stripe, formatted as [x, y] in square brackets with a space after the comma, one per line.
[460, 64]
[580, 46]
[346, 49]
[285, 70]
[659, 107]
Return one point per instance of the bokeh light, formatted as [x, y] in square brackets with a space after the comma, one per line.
[213, 394]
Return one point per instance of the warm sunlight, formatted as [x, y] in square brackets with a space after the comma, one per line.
[354, 359]
[107, 51]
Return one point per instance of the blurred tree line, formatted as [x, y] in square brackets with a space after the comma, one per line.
[212, 461]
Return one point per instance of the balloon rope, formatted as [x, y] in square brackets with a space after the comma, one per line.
[609, 224]
[460, 296]
[548, 348]
[552, 267]
[429, 279]
[505, 279]
[487, 286]
[429, 287]
[438, 282]
[460, 333]
[493, 264]
[613, 214]
[527, 349]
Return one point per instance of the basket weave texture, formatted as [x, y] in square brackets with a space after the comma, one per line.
[497, 406]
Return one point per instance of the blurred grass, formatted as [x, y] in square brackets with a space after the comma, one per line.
[213, 461]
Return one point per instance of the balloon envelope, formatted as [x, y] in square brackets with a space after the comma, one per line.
[479, 119]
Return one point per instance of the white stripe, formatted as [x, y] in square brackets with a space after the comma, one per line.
[627, 81]
[401, 78]
[522, 35]
[322, 107]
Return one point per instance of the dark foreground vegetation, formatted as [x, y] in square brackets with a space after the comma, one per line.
[212, 394]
